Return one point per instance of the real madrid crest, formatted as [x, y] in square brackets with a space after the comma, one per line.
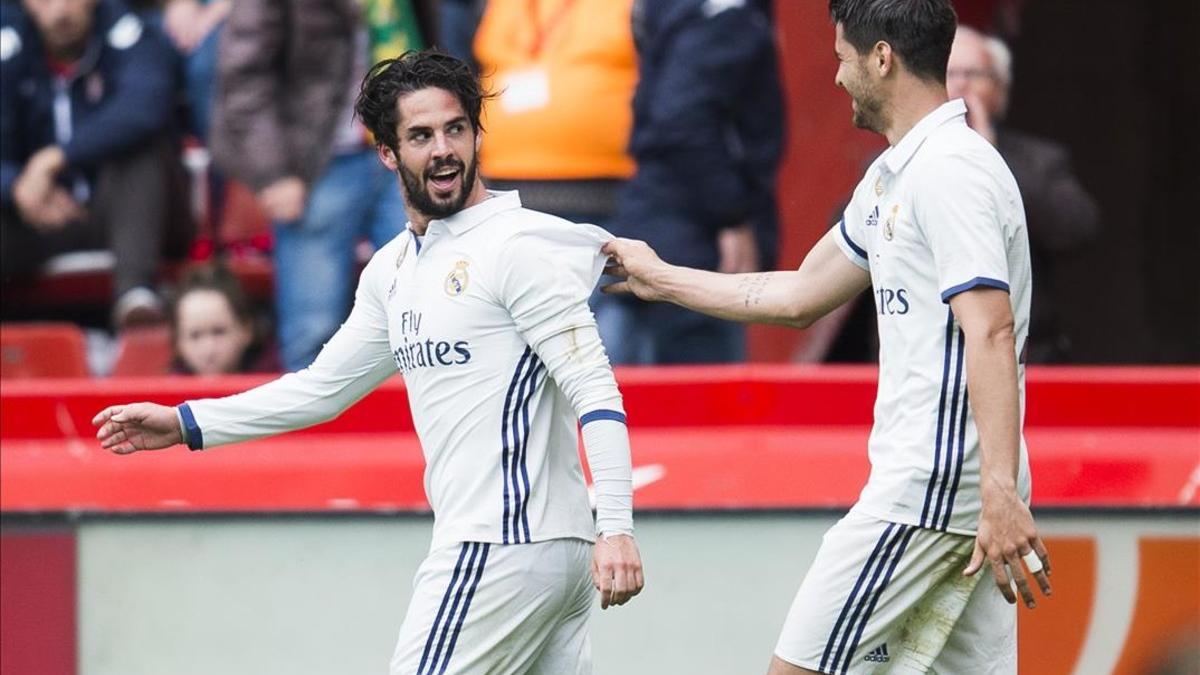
[457, 280]
[889, 225]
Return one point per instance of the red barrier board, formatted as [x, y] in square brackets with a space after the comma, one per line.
[704, 438]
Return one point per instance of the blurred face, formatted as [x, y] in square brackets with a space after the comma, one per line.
[970, 74]
[63, 24]
[854, 76]
[437, 158]
[209, 337]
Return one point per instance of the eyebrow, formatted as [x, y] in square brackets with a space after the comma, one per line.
[461, 119]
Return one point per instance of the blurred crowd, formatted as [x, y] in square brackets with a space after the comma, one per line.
[144, 133]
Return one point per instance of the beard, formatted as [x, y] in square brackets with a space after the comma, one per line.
[418, 193]
[868, 113]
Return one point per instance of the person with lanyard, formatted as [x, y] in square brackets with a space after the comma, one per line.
[565, 71]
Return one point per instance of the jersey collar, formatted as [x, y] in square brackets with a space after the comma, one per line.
[899, 154]
[468, 218]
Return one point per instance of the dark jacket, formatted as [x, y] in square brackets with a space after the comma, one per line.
[121, 95]
[707, 129]
[1062, 219]
[284, 69]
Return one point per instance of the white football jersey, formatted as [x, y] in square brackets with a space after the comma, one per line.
[457, 313]
[937, 214]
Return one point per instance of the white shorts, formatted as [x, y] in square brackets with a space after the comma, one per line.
[883, 597]
[493, 608]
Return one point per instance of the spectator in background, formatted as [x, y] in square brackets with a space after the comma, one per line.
[87, 155]
[1062, 218]
[707, 138]
[565, 71]
[283, 124]
[213, 327]
[457, 21]
[194, 27]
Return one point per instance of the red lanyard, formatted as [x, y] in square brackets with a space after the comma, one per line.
[542, 31]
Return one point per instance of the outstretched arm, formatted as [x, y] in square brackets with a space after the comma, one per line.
[354, 361]
[825, 280]
[138, 426]
[348, 368]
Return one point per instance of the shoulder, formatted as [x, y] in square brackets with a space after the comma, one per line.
[534, 231]
[1028, 151]
[385, 260]
[15, 33]
[11, 44]
[1019, 140]
[958, 157]
[123, 30]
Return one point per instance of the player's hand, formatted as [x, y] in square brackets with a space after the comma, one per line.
[1007, 537]
[137, 426]
[638, 265]
[616, 569]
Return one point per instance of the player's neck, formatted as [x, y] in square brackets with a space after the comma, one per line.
[418, 221]
[918, 100]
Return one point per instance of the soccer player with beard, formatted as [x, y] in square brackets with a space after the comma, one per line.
[482, 306]
[937, 229]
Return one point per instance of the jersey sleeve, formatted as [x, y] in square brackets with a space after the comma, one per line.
[849, 231]
[851, 242]
[959, 214]
[354, 361]
[547, 275]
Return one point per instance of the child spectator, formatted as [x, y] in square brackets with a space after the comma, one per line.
[213, 327]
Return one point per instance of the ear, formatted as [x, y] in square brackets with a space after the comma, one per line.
[882, 59]
[478, 140]
[387, 157]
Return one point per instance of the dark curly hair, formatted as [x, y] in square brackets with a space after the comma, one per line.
[390, 79]
[919, 31]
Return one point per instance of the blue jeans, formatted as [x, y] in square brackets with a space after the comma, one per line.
[356, 198]
[643, 333]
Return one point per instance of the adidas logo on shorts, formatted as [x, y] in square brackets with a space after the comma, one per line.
[878, 655]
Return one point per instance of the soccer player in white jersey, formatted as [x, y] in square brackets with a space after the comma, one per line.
[482, 305]
[936, 228]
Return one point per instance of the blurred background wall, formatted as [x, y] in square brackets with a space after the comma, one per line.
[326, 595]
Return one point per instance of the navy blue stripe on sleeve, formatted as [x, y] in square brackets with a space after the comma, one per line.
[862, 253]
[977, 281]
[195, 438]
[597, 415]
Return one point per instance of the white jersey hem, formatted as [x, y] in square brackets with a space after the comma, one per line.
[489, 536]
[905, 519]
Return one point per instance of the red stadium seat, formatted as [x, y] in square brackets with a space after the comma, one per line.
[143, 351]
[42, 350]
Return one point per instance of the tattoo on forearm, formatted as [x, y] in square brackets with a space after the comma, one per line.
[752, 287]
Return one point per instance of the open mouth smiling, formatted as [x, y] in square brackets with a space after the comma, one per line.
[443, 179]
